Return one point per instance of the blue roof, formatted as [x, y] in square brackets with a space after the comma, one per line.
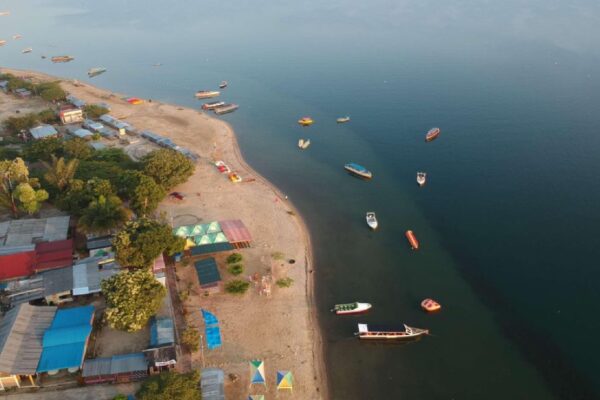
[210, 248]
[213, 337]
[43, 131]
[161, 332]
[207, 271]
[209, 318]
[64, 343]
[357, 167]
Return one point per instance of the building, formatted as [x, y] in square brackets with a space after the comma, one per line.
[75, 101]
[36, 258]
[116, 369]
[79, 132]
[21, 334]
[43, 132]
[4, 86]
[71, 116]
[208, 274]
[92, 125]
[23, 232]
[212, 384]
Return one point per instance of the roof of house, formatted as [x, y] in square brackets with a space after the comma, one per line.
[82, 133]
[21, 232]
[65, 341]
[99, 242]
[21, 332]
[161, 355]
[43, 131]
[87, 275]
[75, 101]
[119, 364]
[207, 271]
[53, 254]
[212, 384]
[97, 145]
[161, 332]
[236, 231]
[17, 265]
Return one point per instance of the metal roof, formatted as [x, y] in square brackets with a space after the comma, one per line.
[212, 384]
[119, 364]
[162, 332]
[21, 332]
[43, 131]
[23, 232]
[207, 271]
[75, 101]
[88, 276]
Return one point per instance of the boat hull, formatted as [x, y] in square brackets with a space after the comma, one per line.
[412, 240]
[390, 337]
[207, 95]
[359, 174]
[226, 109]
[432, 134]
[352, 312]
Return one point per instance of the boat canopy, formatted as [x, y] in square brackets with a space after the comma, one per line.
[357, 167]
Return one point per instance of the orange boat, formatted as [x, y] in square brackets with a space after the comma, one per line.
[414, 243]
[430, 305]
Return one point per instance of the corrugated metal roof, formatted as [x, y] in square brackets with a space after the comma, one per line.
[161, 332]
[17, 265]
[23, 232]
[212, 384]
[236, 231]
[43, 131]
[207, 271]
[96, 367]
[128, 363]
[21, 332]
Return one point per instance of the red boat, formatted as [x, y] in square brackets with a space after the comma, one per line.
[432, 134]
[430, 305]
[414, 243]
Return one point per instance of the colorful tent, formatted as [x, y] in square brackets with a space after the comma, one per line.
[257, 372]
[213, 227]
[182, 231]
[197, 230]
[256, 397]
[284, 380]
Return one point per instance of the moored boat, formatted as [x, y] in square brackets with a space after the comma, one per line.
[351, 308]
[62, 59]
[421, 178]
[207, 94]
[223, 85]
[358, 170]
[92, 72]
[300, 143]
[27, 50]
[412, 239]
[430, 305]
[432, 134]
[306, 121]
[342, 120]
[212, 105]
[17, 37]
[4, 13]
[372, 220]
[374, 332]
[2, 42]
[234, 177]
[306, 144]
[225, 108]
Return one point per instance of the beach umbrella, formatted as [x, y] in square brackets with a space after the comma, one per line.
[257, 372]
[285, 380]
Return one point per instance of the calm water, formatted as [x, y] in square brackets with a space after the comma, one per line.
[508, 219]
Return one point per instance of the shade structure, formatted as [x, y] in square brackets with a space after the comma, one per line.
[257, 372]
[236, 231]
[212, 331]
[209, 318]
[182, 231]
[285, 380]
[256, 397]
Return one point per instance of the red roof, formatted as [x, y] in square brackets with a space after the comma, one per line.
[236, 231]
[16, 265]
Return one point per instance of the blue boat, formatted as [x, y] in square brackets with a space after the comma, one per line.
[358, 170]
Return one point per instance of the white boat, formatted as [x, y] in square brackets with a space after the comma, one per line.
[305, 144]
[92, 72]
[4, 13]
[343, 120]
[223, 85]
[351, 308]
[27, 50]
[207, 94]
[421, 178]
[300, 143]
[373, 332]
[17, 37]
[372, 220]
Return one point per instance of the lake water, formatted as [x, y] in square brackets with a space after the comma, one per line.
[508, 219]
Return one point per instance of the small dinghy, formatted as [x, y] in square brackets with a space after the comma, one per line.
[372, 220]
[27, 50]
[421, 178]
[432, 134]
[351, 308]
[430, 305]
[358, 170]
[306, 121]
[412, 239]
[343, 120]
[223, 85]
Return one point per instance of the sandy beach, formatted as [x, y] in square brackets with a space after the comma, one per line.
[281, 329]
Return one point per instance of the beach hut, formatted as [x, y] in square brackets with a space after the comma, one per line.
[236, 232]
[43, 132]
[257, 372]
[285, 380]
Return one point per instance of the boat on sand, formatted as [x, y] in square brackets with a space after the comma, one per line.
[351, 308]
[372, 220]
[375, 332]
[358, 170]
[421, 178]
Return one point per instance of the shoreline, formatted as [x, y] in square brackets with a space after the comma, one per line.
[231, 145]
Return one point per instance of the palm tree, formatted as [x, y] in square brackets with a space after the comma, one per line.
[103, 215]
[61, 173]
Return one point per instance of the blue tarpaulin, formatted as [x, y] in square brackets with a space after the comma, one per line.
[209, 318]
[213, 333]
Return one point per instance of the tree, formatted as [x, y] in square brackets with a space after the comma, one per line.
[168, 167]
[237, 286]
[15, 125]
[61, 173]
[77, 148]
[103, 214]
[51, 91]
[143, 240]
[38, 150]
[48, 116]
[18, 192]
[94, 111]
[80, 194]
[132, 298]
[141, 190]
[171, 385]
[89, 169]
[191, 338]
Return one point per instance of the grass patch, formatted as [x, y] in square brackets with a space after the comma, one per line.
[234, 258]
[278, 255]
[237, 286]
[284, 282]
[235, 269]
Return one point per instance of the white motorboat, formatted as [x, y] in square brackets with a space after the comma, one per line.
[421, 178]
[372, 220]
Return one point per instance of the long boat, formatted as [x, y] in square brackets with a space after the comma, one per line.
[62, 59]
[27, 50]
[412, 239]
[4, 13]
[92, 72]
[374, 332]
[358, 170]
[226, 108]
[342, 120]
[432, 134]
[351, 308]
[207, 94]
[212, 105]
[2, 42]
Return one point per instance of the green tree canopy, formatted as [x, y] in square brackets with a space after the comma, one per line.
[51, 91]
[132, 298]
[18, 192]
[168, 167]
[15, 125]
[80, 194]
[143, 192]
[48, 116]
[38, 150]
[143, 240]
[94, 111]
[61, 173]
[171, 385]
[103, 214]
[77, 148]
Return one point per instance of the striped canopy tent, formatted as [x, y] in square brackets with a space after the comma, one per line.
[236, 232]
[182, 231]
[213, 227]
[285, 380]
[257, 372]
[198, 230]
[256, 397]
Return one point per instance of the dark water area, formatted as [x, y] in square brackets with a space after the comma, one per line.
[507, 221]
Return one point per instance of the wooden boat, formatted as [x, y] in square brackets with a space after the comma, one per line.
[414, 243]
[372, 220]
[306, 121]
[212, 105]
[2, 42]
[342, 120]
[4, 13]
[223, 85]
[235, 178]
[62, 59]
[374, 332]
[92, 72]
[207, 94]
[222, 167]
[432, 134]
[430, 305]
[351, 308]
[358, 170]
[27, 50]
[421, 178]
[225, 109]
[16, 37]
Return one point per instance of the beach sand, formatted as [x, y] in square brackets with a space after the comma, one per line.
[280, 329]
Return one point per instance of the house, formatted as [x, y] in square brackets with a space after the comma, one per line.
[79, 132]
[92, 125]
[75, 101]
[4, 86]
[208, 274]
[116, 369]
[36, 258]
[24, 232]
[43, 132]
[97, 145]
[71, 116]
[65, 341]
[21, 334]
[212, 384]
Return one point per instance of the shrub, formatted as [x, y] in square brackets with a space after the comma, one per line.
[191, 338]
[94, 111]
[15, 125]
[235, 269]
[171, 385]
[237, 286]
[284, 282]
[278, 255]
[168, 167]
[234, 258]
[48, 116]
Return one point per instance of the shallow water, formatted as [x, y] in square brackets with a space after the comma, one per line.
[507, 221]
